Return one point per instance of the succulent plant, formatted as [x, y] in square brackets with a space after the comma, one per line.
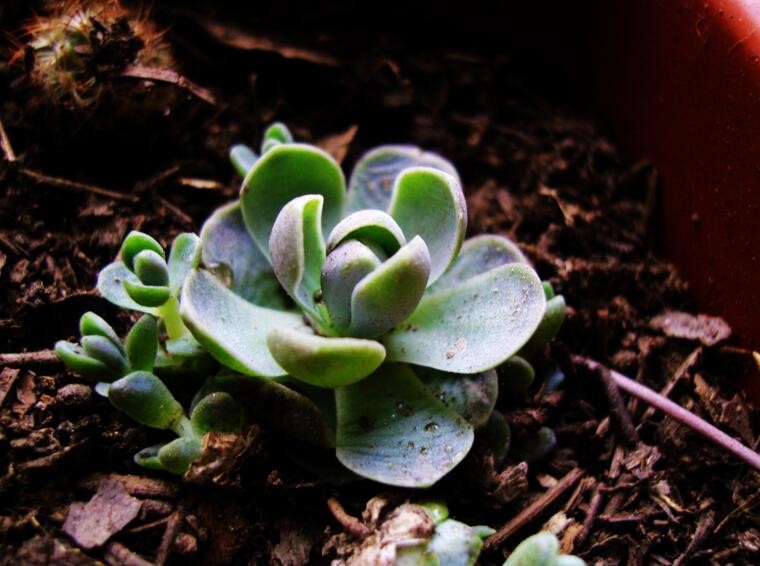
[363, 311]
[541, 549]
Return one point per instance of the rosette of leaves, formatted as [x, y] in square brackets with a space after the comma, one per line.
[385, 305]
[124, 374]
[541, 549]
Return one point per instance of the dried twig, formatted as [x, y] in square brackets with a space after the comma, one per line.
[593, 510]
[5, 144]
[167, 543]
[677, 413]
[690, 361]
[704, 528]
[617, 406]
[74, 185]
[117, 554]
[30, 359]
[534, 510]
[168, 76]
[351, 524]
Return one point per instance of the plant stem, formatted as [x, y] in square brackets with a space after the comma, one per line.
[23, 359]
[677, 413]
[183, 427]
[175, 328]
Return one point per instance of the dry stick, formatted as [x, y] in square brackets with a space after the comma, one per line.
[534, 510]
[167, 543]
[617, 406]
[704, 528]
[27, 359]
[116, 553]
[677, 413]
[350, 523]
[5, 143]
[75, 186]
[679, 374]
[593, 510]
[168, 76]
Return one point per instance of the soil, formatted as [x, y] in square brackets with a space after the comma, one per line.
[623, 485]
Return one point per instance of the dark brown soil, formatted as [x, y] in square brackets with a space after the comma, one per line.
[650, 493]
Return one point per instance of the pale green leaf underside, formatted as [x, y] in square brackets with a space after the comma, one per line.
[472, 396]
[231, 329]
[455, 544]
[391, 429]
[371, 184]
[387, 295]
[478, 255]
[322, 361]
[430, 204]
[297, 249]
[243, 159]
[111, 286]
[182, 259]
[228, 249]
[472, 327]
[368, 225]
[285, 172]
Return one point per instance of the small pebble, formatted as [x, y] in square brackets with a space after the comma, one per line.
[74, 395]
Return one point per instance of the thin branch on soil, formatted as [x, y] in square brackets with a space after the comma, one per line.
[118, 554]
[30, 359]
[167, 543]
[5, 144]
[351, 524]
[677, 413]
[74, 185]
[168, 76]
[534, 510]
[181, 216]
[704, 528]
[594, 507]
[617, 406]
[676, 378]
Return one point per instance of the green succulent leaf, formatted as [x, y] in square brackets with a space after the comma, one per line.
[217, 412]
[183, 257]
[179, 454]
[297, 250]
[136, 242]
[142, 344]
[230, 328]
[371, 184]
[76, 360]
[472, 396]
[228, 250]
[322, 361]
[111, 285]
[151, 268]
[429, 203]
[242, 158]
[93, 325]
[147, 295]
[541, 549]
[472, 327]
[518, 375]
[145, 398]
[282, 174]
[344, 267]
[404, 436]
[455, 544]
[276, 134]
[102, 349]
[552, 321]
[390, 293]
[148, 458]
[479, 255]
[368, 226]
[496, 436]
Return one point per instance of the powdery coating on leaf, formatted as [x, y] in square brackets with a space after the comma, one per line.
[111, 509]
[709, 330]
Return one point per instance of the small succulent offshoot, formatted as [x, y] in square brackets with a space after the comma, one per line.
[541, 549]
[363, 311]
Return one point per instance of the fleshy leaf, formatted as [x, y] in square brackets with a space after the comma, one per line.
[230, 328]
[148, 458]
[478, 255]
[242, 158]
[552, 321]
[142, 344]
[147, 295]
[177, 455]
[217, 412]
[93, 325]
[297, 249]
[368, 225]
[76, 360]
[136, 242]
[344, 267]
[472, 327]
[182, 258]
[455, 544]
[145, 398]
[228, 249]
[372, 180]
[151, 269]
[393, 430]
[102, 349]
[430, 204]
[472, 396]
[276, 134]
[541, 549]
[111, 281]
[390, 293]
[324, 362]
[282, 174]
